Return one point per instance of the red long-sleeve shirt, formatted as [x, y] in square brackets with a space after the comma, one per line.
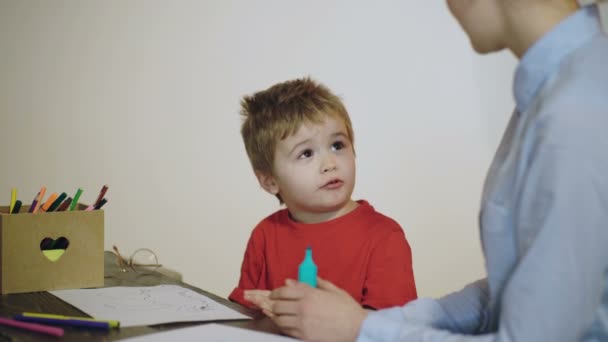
[363, 252]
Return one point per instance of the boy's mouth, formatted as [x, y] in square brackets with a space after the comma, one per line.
[333, 184]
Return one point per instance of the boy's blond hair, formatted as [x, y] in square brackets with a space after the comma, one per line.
[274, 114]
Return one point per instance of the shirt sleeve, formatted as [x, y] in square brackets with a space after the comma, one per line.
[555, 290]
[252, 269]
[456, 314]
[390, 277]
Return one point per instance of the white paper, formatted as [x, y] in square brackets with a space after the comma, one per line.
[147, 305]
[210, 333]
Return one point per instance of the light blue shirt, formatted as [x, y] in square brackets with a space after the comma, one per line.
[544, 210]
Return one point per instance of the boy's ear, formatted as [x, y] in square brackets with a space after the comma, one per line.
[267, 182]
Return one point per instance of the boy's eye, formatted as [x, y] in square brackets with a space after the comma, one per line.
[338, 145]
[305, 154]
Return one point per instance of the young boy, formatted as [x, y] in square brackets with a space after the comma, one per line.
[299, 139]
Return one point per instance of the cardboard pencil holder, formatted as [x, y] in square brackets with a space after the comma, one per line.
[51, 251]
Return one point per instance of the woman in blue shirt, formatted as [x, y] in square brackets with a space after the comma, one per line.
[544, 211]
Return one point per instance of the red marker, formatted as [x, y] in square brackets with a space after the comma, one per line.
[101, 194]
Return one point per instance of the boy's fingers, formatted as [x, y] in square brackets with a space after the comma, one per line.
[326, 285]
[268, 313]
[251, 293]
[256, 297]
[266, 304]
[288, 308]
[286, 322]
[256, 301]
[288, 292]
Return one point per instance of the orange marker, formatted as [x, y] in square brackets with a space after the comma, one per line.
[49, 201]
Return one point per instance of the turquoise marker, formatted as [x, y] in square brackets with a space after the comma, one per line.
[307, 271]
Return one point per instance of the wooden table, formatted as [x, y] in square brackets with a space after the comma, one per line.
[13, 304]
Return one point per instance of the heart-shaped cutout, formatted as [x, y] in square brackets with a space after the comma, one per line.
[54, 249]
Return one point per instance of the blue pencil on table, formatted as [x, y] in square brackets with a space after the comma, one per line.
[65, 322]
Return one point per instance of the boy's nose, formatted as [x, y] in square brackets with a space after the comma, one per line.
[329, 164]
[329, 168]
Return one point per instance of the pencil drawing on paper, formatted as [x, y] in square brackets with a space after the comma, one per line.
[182, 300]
[148, 305]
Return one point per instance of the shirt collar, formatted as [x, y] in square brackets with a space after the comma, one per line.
[544, 57]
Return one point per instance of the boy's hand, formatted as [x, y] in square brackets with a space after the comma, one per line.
[261, 299]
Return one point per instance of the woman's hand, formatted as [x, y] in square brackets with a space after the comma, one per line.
[325, 313]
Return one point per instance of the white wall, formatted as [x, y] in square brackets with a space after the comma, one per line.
[144, 96]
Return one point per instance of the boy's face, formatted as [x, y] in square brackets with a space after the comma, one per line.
[314, 170]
